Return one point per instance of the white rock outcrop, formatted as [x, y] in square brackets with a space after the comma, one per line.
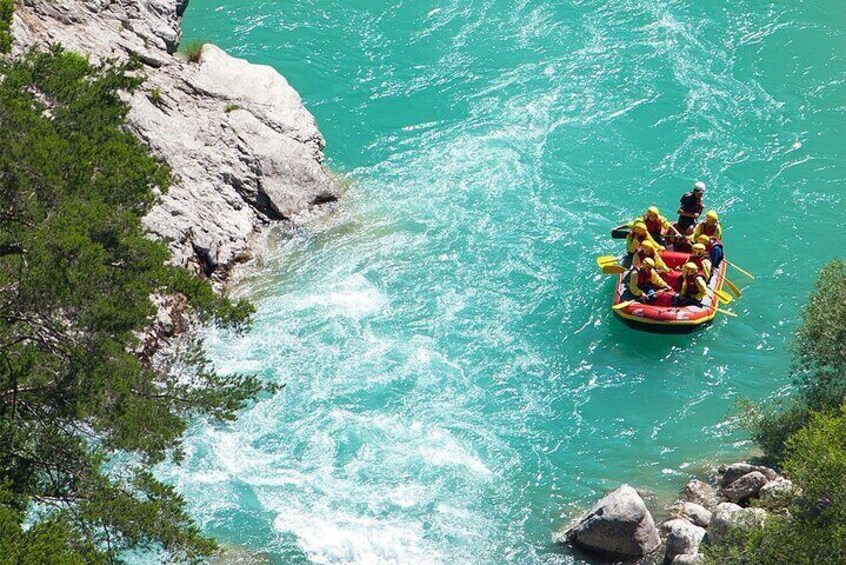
[243, 149]
[728, 515]
[694, 513]
[619, 525]
[683, 539]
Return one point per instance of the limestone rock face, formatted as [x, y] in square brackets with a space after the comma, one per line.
[618, 525]
[683, 539]
[745, 487]
[243, 149]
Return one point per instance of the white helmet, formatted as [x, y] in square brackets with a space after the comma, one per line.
[699, 186]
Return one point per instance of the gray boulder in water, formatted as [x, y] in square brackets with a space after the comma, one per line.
[619, 525]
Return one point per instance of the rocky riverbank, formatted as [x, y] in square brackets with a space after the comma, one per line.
[243, 149]
[620, 527]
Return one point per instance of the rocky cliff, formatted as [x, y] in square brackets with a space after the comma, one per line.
[243, 149]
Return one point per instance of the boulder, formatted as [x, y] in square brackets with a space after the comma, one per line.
[701, 493]
[619, 525]
[745, 487]
[729, 515]
[683, 538]
[777, 493]
[731, 473]
[694, 513]
[688, 559]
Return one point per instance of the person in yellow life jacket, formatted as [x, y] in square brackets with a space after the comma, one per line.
[694, 288]
[710, 227]
[637, 235]
[645, 281]
[656, 224]
[649, 250]
[700, 258]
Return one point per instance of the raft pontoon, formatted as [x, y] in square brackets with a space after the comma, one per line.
[661, 315]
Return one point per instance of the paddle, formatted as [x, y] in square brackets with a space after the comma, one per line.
[678, 233]
[733, 287]
[613, 269]
[723, 296]
[620, 232]
[748, 274]
[627, 303]
[624, 304]
[603, 260]
[726, 312]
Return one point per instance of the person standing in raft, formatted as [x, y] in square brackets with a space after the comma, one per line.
[699, 257]
[648, 250]
[710, 227]
[694, 289]
[690, 208]
[644, 282]
[637, 235]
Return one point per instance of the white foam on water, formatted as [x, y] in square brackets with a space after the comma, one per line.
[340, 538]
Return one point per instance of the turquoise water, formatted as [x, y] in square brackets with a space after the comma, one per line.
[456, 384]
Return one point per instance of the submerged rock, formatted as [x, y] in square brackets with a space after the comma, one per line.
[619, 525]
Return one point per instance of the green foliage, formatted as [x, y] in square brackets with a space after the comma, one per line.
[193, 51]
[156, 96]
[82, 418]
[231, 108]
[821, 341]
[816, 460]
[7, 9]
[821, 365]
[807, 438]
[813, 531]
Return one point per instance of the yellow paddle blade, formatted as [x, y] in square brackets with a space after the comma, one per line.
[613, 269]
[733, 288]
[727, 312]
[624, 304]
[724, 297]
[605, 260]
